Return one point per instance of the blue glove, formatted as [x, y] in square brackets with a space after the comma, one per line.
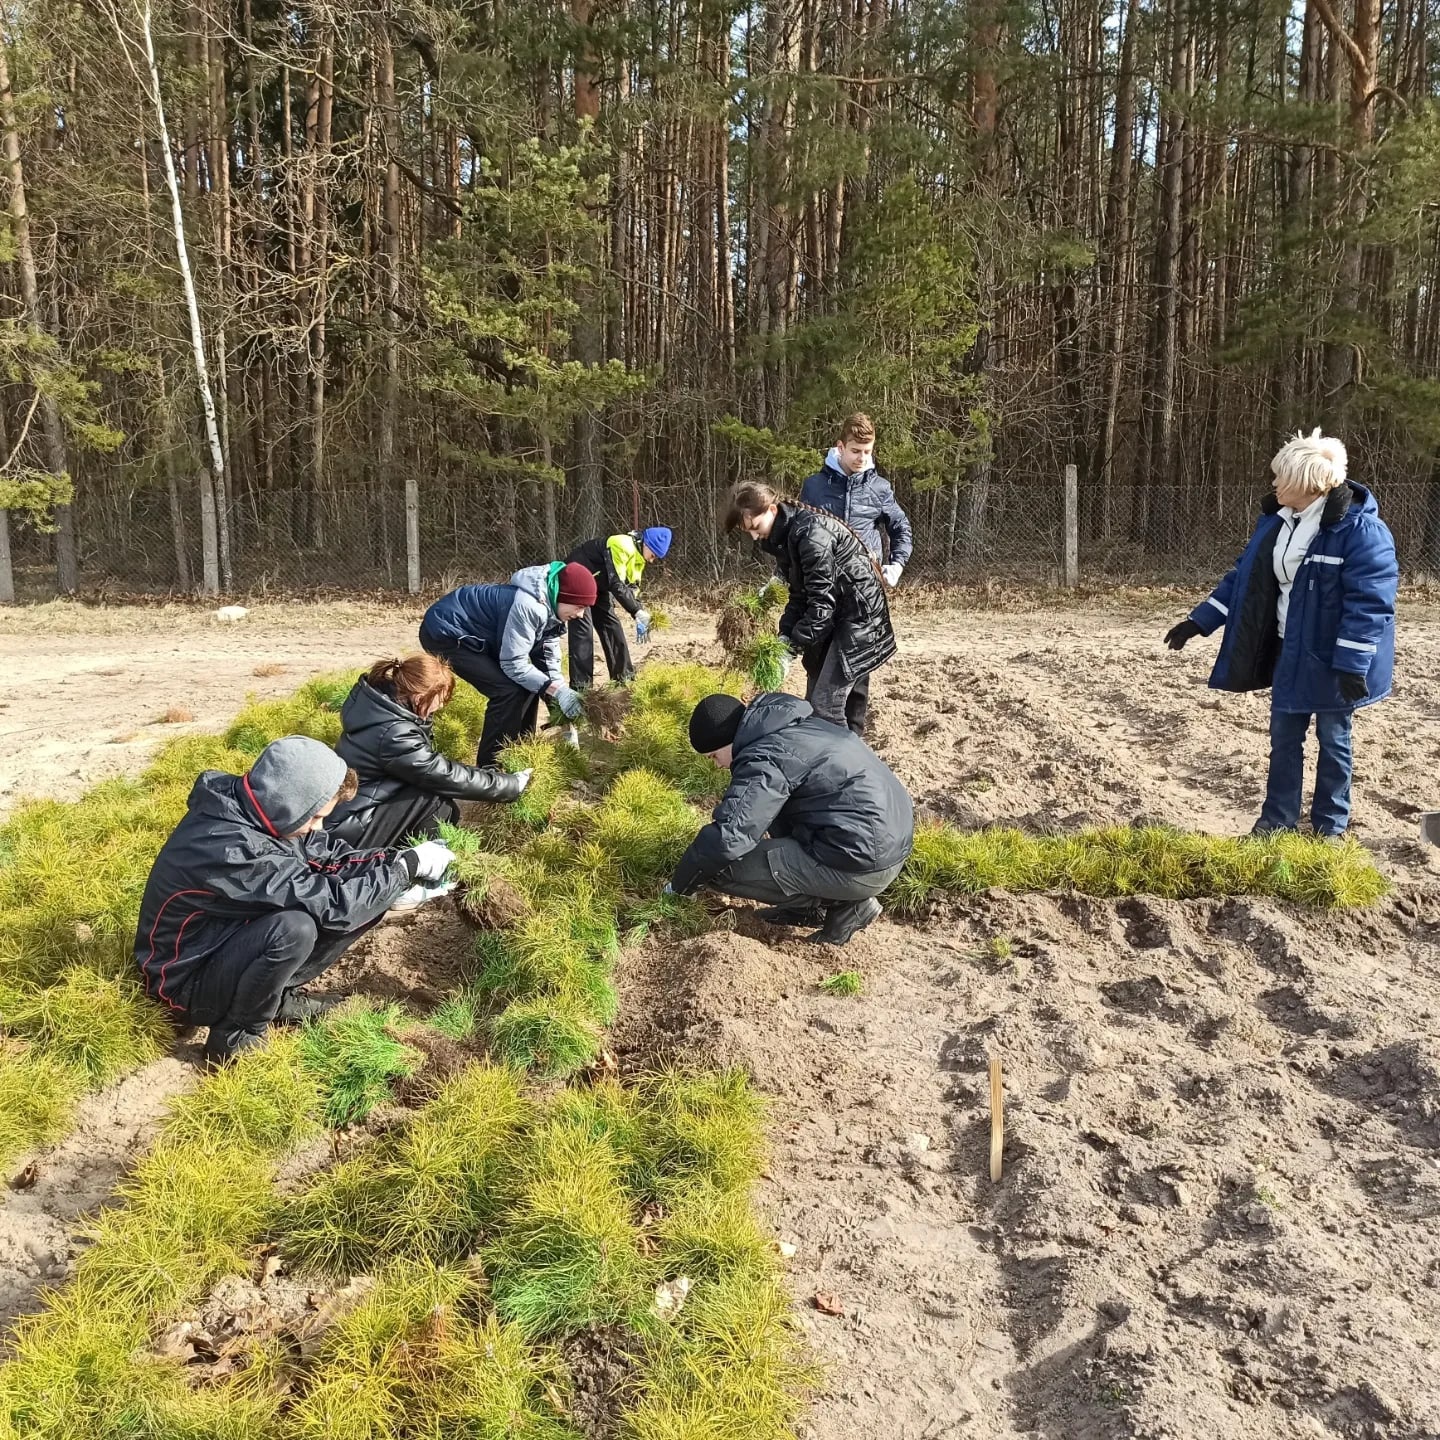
[569, 701]
[642, 627]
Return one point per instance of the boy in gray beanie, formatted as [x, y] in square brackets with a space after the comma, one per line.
[249, 897]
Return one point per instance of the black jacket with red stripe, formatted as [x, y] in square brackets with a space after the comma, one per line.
[224, 865]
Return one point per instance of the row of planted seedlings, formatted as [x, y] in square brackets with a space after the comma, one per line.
[505, 1235]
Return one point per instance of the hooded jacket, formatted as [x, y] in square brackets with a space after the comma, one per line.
[793, 774]
[517, 623]
[1341, 615]
[835, 593]
[618, 565]
[228, 862]
[865, 502]
[393, 750]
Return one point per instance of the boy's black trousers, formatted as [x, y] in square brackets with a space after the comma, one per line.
[612, 642]
[241, 986]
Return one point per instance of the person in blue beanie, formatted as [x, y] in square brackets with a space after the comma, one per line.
[1309, 613]
[618, 565]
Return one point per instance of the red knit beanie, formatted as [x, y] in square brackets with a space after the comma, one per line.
[577, 585]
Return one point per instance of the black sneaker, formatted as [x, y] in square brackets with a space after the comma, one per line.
[223, 1046]
[793, 912]
[296, 1007]
[844, 922]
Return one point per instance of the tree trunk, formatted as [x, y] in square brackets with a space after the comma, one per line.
[51, 427]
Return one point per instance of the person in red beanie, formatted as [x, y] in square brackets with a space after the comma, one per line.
[505, 640]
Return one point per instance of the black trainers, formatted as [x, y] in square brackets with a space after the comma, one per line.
[793, 912]
[223, 1046]
[296, 1007]
[844, 922]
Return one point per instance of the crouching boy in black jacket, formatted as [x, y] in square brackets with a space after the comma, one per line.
[840, 823]
[249, 898]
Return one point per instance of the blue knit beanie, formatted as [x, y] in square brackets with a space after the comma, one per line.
[657, 537]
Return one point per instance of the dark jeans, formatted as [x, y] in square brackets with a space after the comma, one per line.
[834, 698]
[368, 825]
[1330, 811]
[779, 871]
[510, 710]
[601, 616]
[241, 986]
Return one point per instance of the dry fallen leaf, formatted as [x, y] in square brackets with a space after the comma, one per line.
[670, 1296]
[26, 1179]
[270, 1268]
[828, 1304]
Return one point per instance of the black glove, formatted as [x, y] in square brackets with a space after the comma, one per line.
[1352, 686]
[1185, 630]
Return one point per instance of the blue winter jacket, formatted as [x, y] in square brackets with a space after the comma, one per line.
[865, 502]
[510, 622]
[1341, 614]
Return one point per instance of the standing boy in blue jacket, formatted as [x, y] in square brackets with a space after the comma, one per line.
[849, 485]
[1308, 611]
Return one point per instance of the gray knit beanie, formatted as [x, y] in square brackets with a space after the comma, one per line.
[291, 780]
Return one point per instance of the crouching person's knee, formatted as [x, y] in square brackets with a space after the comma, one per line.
[292, 935]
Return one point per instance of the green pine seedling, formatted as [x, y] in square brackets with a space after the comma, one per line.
[553, 1037]
[846, 983]
[356, 1058]
[766, 660]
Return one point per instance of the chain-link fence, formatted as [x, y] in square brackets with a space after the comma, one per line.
[354, 537]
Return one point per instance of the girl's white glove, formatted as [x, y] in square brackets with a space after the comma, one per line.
[892, 573]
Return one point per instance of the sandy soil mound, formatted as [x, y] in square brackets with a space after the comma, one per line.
[1222, 1167]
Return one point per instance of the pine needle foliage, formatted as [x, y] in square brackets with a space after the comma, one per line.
[420, 1192]
[99, 1026]
[458, 725]
[552, 1037]
[699, 1128]
[730, 1365]
[765, 661]
[566, 1253]
[1150, 860]
[410, 1360]
[656, 736]
[646, 825]
[555, 766]
[356, 1056]
[844, 984]
[37, 1098]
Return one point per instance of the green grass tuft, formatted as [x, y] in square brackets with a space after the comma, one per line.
[355, 1056]
[846, 983]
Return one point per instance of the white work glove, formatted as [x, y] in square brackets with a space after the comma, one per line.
[669, 889]
[568, 701]
[524, 777]
[433, 859]
[892, 573]
[420, 894]
[642, 627]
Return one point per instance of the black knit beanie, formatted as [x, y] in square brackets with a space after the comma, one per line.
[714, 721]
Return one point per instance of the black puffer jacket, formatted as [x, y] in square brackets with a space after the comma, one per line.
[392, 749]
[224, 865]
[835, 590]
[793, 774]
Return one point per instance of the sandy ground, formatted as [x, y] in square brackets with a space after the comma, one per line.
[1219, 1210]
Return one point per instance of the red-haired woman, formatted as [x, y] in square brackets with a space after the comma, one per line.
[406, 784]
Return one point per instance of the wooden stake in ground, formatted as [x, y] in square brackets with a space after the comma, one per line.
[997, 1116]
